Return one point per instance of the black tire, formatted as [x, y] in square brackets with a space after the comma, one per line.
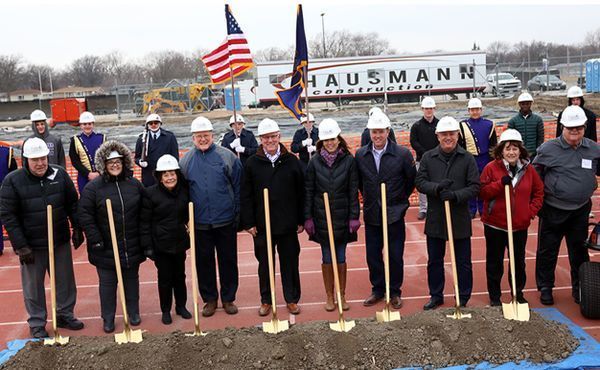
[589, 289]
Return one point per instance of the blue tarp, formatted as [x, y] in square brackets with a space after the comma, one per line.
[12, 348]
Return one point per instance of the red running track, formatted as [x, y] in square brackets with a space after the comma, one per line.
[415, 293]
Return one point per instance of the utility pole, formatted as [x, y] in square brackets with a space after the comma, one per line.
[41, 92]
[323, 27]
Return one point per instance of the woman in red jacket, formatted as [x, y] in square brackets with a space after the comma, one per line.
[510, 167]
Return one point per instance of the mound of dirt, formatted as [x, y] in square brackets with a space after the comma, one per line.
[424, 339]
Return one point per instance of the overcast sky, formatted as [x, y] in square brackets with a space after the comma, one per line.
[57, 32]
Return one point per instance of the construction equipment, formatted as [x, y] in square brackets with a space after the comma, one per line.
[513, 310]
[274, 326]
[197, 332]
[341, 324]
[128, 335]
[177, 99]
[58, 339]
[386, 315]
[457, 313]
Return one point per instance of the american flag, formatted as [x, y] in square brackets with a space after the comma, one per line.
[232, 54]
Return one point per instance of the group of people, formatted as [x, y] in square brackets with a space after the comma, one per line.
[461, 163]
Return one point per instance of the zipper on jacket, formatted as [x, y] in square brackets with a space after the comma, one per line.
[123, 222]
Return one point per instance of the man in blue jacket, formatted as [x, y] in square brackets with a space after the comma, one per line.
[152, 144]
[214, 176]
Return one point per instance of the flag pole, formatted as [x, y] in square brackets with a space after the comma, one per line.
[306, 104]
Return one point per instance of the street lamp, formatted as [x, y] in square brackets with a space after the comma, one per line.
[323, 26]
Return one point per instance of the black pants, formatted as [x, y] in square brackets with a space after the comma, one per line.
[171, 280]
[224, 241]
[288, 249]
[374, 242]
[554, 225]
[436, 250]
[496, 242]
[108, 291]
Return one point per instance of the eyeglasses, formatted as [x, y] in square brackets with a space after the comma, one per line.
[578, 128]
[152, 123]
[114, 162]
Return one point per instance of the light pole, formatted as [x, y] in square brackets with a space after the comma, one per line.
[323, 27]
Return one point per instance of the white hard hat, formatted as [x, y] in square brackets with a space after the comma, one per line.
[378, 120]
[167, 163]
[239, 118]
[201, 124]
[267, 126]
[38, 115]
[114, 154]
[153, 117]
[474, 103]
[328, 129]
[375, 110]
[35, 148]
[511, 135]
[428, 102]
[87, 117]
[525, 97]
[574, 92]
[446, 124]
[311, 118]
[573, 116]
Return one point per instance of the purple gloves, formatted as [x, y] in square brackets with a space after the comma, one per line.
[309, 226]
[354, 225]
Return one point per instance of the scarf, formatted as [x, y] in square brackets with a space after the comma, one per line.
[329, 157]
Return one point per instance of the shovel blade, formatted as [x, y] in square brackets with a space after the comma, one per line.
[129, 336]
[516, 311]
[458, 315]
[275, 326]
[342, 325]
[387, 315]
[58, 339]
[197, 333]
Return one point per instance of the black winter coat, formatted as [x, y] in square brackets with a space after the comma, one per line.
[397, 170]
[164, 218]
[297, 147]
[285, 181]
[126, 197]
[423, 137]
[341, 183]
[462, 169]
[165, 144]
[23, 201]
[247, 140]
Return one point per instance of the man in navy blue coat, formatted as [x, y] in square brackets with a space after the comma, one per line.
[152, 144]
[239, 140]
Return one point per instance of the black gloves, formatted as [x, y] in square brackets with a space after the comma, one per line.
[77, 237]
[149, 253]
[25, 255]
[506, 180]
[444, 184]
[447, 195]
[96, 246]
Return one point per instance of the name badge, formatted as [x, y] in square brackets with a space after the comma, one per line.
[586, 163]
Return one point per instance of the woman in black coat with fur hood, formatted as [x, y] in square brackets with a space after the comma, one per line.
[114, 162]
[163, 230]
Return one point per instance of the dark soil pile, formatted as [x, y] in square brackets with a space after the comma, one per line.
[423, 339]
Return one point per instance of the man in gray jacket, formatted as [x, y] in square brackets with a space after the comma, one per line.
[568, 165]
[40, 129]
[448, 173]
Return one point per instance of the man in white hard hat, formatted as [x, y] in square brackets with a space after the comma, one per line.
[39, 126]
[422, 139]
[568, 165]
[24, 196]
[240, 140]
[575, 97]
[152, 144]
[278, 170]
[448, 173]
[365, 137]
[529, 124]
[304, 142]
[383, 161]
[478, 137]
[214, 174]
[82, 150]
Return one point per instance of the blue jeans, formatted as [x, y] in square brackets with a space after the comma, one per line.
[374, 241]
[340, 253]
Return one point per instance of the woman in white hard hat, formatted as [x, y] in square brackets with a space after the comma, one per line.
[511, 167]
[163, 231]
[116, 182]
[575, 97]
[332, 170]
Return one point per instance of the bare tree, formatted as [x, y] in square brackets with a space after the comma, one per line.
[121, 72]
[88, 71]
[274, 53]
[345, 44]
[32, 73]
[10, 72]
[167, 65]
[592, 40]
[498, 51]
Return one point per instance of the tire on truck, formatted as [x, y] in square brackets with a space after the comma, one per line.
[589, 289]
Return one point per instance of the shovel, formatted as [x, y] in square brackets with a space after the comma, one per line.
[274, 326]
[513, 310]
[58, 339]
[457, 313]
[197, 331]
[341, 324]
[386, 315]
[128, 335]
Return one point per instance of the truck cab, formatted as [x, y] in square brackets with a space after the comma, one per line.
[506, 85]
